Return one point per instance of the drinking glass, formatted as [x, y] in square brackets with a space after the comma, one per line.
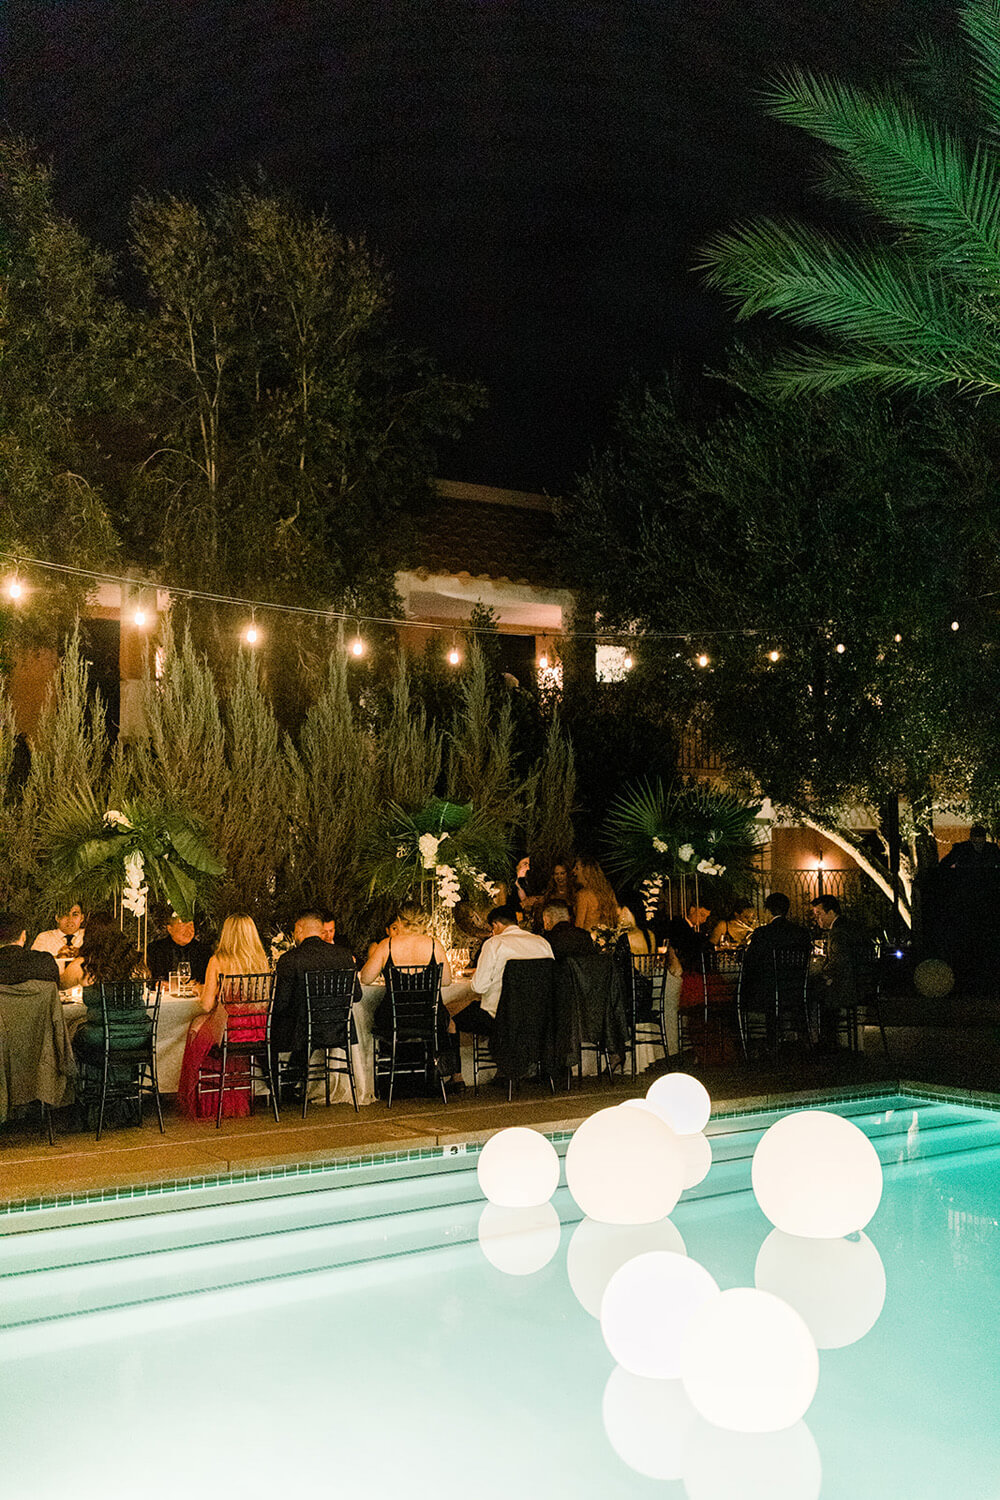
[184, 976]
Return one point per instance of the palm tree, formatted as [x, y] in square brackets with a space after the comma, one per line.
[918, 307]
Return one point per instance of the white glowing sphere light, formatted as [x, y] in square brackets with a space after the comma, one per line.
[646, 1310]
[518, 1168]
[816, 1175]
[682, 1101]
[625, 1166]
[748, 1362]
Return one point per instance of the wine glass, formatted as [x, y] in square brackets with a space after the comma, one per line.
[184, 976]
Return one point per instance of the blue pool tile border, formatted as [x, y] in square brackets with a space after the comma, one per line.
[743, 1108]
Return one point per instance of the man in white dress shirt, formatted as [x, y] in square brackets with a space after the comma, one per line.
[508, 942]
[64, 939]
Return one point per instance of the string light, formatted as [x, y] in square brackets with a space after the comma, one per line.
[774, 655]
[139, 618]
[628, 663]
[15, 588]
[702, 660]
[543, 659]
[954, 624]
[357, 645]
[841, 648]
[250, 635]
[454, 655]
[898, 638]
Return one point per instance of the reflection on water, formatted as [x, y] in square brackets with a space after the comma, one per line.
[837, 1286]
[721, 1465]
[647, 1423]
[519, 1241]
[597, 1251]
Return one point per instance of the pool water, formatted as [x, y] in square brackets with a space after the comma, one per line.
[346, 1335]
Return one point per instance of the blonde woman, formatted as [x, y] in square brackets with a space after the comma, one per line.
[596, 905]
[239, 951]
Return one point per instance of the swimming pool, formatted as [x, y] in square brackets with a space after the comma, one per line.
[342, 1332]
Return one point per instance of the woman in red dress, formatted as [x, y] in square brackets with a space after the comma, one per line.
[239, 951]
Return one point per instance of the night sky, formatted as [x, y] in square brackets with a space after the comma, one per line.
[537, 176]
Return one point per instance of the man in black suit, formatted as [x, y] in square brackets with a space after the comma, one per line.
[777, 935]
[686, 936]
[19, 964]
[847, 974]
[565, 940]
[180, 945]
[311, 953]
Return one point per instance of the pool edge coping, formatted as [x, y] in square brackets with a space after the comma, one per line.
[461, 1143]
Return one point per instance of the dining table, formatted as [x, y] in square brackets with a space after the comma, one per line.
[176, 1014]
[36, 1058]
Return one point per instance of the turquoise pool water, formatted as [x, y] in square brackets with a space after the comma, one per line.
[345, 1335]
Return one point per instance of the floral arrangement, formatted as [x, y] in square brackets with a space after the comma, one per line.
[654, 835]
[447, 851]
[130, 853]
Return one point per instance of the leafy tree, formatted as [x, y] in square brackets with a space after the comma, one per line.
[295, 437]
[66, 339]
[915, 307]
[798, 529]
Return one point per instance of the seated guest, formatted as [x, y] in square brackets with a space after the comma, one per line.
[180, 945]
[239, 951]
[735, 931]
[848, 970]
[758, 963]
[329, 933]
[595, 905]
[564, 938]
[18, 964]
[509, 942]
[640, 940]
[561, 886]
[63, 940]
[311, 953]
[687, 938]
[410, 946]
[107, 956]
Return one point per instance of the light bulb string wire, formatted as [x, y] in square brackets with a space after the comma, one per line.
[136, 585]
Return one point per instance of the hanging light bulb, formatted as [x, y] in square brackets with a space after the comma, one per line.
[250, 634]
[954, 624]
[454, 655]
[774, 656]
[702, 660]
[139, 619]
[357, 645]
[15, 588]
[841, 648]
[543, 658]
[628, 663]
[897, 638]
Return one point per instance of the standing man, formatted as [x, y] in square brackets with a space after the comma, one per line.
[179, 946]
[63, 940]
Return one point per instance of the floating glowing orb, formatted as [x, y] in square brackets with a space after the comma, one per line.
[682, 1101]
[625, 1166]
[596, 1251]
[519, 1241]
[748, 1361]
[816, 1175]
[934, 979]
[647, 1423]
[647, 1307]
[518, 1168]
[838, 1286]
[697, 1158]
[751, 1465]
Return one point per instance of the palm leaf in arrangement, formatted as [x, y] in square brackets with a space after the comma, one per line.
[679, 830]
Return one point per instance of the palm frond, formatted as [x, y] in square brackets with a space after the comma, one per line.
[981, 24]
[816, 371]
[649, 827]
[918, 176]
[876, 299]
